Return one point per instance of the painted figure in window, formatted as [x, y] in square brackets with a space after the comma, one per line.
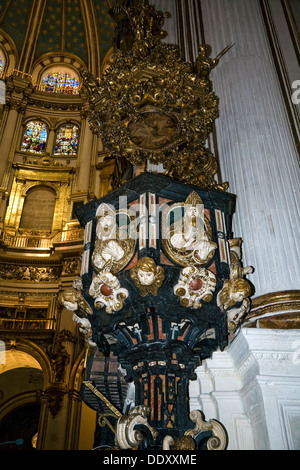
[35, 137]
[66, 140]
[60, 83]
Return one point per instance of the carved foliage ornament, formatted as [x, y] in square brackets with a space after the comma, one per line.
[195, 284]
[126, 436]
[107, 291]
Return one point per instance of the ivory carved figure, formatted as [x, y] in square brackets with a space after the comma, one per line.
[188, 240]
[113, 246]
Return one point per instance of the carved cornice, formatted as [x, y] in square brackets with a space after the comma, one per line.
[55, 102]
[29, 273]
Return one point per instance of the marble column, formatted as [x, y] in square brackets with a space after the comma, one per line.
[257, 150]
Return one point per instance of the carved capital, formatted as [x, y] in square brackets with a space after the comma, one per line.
[54, 395]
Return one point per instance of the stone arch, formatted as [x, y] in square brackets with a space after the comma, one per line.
[31, 184]
[35, 117]
[76, 373]
[10, 52]
[36, 352]
[50, 62]
[107, 61]
[23, 357]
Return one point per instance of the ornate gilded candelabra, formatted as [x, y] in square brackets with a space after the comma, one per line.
[162, 283]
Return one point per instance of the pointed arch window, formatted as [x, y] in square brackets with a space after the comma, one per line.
[35, 137]
[2, 61]
[67, 140]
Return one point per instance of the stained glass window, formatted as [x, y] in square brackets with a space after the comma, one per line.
[60, 83]
[35, 137]
[67, 140]
[2, 61]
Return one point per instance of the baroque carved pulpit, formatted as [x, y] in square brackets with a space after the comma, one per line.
[162, 282]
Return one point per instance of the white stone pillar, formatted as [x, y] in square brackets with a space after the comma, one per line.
[268, 364]
[253, 389]
[256, 146]
[217, 392]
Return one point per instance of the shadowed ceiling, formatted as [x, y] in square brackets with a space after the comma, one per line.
[63, 27]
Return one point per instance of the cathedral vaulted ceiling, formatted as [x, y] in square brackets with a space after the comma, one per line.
[81, 28]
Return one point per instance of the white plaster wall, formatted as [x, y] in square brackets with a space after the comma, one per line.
[253, 389]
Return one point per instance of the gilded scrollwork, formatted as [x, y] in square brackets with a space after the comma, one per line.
[29, 273]
[181, 443]
[107, 292]
[194, 285]
[141, 115]
[126, 436]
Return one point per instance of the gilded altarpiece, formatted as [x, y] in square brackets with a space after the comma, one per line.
[28, 176]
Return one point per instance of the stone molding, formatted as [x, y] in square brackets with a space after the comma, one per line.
[252, 388]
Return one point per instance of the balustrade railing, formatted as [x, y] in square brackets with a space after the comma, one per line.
[40, 241]
[57, 89]
[21, 324]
